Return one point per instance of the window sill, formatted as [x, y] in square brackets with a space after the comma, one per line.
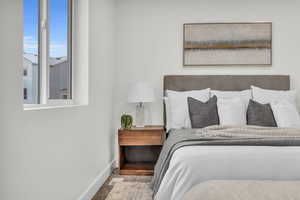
[48, 107]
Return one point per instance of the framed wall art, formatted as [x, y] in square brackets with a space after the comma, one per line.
[213, 44]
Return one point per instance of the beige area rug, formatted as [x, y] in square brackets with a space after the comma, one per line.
[130, 191]
[125, 187]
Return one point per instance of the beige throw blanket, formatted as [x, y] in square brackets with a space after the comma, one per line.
[245, 190]
[248, 132]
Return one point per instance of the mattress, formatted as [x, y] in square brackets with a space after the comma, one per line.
[192, 165]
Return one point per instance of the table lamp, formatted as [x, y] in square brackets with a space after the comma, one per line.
[140, 93]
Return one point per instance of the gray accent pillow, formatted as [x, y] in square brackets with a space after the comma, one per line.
[203, 114]
[260, 114]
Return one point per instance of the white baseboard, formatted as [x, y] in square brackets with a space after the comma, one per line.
[98, 182]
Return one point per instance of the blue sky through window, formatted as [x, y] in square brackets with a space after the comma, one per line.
[58, 26]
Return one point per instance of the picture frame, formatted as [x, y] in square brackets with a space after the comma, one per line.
[227, 44]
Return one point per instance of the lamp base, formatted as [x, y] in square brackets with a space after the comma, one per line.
[140, 115]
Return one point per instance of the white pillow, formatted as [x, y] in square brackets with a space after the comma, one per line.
[232, 112]
[285, 114]
[267, 96]
[168, 114]
[245, 95]
[179, 113]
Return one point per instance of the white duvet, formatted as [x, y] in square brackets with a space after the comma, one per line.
[195, 164]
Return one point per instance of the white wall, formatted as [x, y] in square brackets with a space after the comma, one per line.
[149, 40]
[54, 154]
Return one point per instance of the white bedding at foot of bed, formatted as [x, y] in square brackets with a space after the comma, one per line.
[195, 164]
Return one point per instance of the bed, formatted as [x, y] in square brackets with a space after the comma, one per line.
[187, 161]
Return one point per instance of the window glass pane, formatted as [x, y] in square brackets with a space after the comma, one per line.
[59, 44]
[31, 53]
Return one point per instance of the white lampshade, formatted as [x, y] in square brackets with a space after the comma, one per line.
[140, 92]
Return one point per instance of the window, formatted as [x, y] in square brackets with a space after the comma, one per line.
[25, 72]
[47, 52]
[25, 93]
[31, 52]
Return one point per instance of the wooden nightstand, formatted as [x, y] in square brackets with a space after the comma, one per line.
[139, 149]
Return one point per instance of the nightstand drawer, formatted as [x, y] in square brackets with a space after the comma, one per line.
[138, 138]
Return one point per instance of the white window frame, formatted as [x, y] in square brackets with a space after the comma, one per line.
[44, 85]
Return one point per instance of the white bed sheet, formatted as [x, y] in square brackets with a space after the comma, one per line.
[192, 165]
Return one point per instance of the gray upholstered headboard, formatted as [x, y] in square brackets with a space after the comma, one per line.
[225, 82]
